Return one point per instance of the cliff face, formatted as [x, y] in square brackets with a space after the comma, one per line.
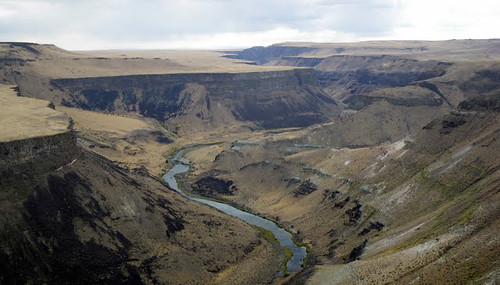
[263, 99]
[388, 92]
[70, 216]
[343, 76]
[34, 139]
[268, 55]
[21, 161]
[408, 96]
[22, 151]
[93, 222]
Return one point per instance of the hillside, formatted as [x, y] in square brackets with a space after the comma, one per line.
[382, 157]
[70, 216]
[185, 91]
[402, 188]
[388, 89]
[406, 209]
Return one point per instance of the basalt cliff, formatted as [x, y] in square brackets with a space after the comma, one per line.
[71, 216]
[381, 157]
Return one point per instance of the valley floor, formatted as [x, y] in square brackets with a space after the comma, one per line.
[430, 226]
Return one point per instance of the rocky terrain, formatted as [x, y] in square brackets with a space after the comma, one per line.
[399, 86]
[191, 99]
[71, 216]
[403, 188]
[382, 157]
[266, 99]
[401, 208]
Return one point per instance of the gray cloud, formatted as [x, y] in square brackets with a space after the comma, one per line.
[151, 19]
[124, 21]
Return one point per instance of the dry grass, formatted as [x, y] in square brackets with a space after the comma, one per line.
[94, 121]
[26, 117]
[116, 62]
[128, 141]
[452, 50]
[378, 176]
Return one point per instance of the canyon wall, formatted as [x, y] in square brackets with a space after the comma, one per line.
[265, 99]
[71, 216]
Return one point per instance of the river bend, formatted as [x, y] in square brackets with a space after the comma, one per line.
[284, 238]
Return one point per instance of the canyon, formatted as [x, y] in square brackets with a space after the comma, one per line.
[380, 157]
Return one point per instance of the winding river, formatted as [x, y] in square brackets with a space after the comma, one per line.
[284, 238]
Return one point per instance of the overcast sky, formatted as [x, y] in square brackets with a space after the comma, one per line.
[195, 24]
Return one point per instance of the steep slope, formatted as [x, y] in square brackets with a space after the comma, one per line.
[217, 94]
[197, 101]
[70, 216]
[388, 89]
[392, 176]
[350, 69]
[390, 114]
[438, 198]
[93, 222]
[424, 209]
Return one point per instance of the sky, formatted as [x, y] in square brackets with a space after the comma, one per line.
[227, 24]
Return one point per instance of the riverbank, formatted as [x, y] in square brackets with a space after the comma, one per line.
[296, 255]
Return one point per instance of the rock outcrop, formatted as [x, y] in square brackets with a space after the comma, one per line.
[268, 55]
[34, 139]
[71, 216]
[263, 99]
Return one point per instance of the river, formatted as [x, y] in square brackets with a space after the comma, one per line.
[284, 238]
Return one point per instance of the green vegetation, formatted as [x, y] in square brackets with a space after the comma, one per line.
[308, 250]
[288, 255]
[467, 215]
[169, 155]
[269, 236]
